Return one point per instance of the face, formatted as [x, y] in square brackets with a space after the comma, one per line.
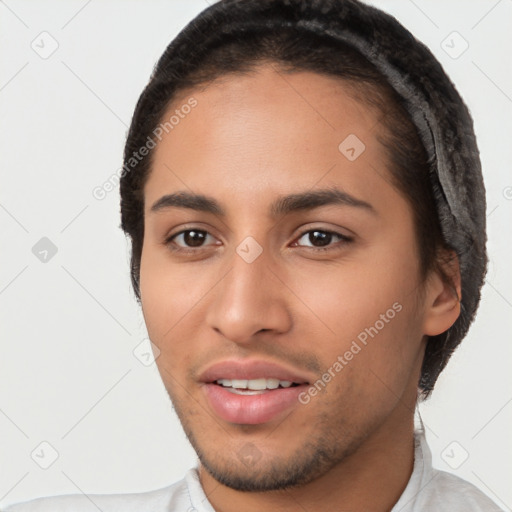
[280, 278]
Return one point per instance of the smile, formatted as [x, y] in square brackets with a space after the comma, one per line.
[252, 392]
[253, 386]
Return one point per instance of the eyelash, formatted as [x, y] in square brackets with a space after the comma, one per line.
[175, 248]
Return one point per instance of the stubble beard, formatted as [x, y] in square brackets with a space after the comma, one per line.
[329, 445]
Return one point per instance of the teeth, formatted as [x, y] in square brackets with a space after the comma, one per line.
[272, 383]
[254, 384]
[239, 384]
[257, 384]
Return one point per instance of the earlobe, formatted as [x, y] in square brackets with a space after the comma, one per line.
[443, 296]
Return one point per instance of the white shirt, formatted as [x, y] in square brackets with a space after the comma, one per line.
[428, 489]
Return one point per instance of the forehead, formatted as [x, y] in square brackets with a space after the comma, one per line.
[268, 132]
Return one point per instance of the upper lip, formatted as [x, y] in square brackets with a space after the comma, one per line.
[250, 369]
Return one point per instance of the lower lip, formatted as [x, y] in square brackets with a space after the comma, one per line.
[251, 409]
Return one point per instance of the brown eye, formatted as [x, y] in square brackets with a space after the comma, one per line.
[318, 238]
[190, 238]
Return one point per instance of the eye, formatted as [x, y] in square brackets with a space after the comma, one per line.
[321, 239]
[190, 238]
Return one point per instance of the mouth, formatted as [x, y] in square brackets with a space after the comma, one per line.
[254, 386]
[251, 392]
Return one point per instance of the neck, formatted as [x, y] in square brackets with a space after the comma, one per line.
[371, 479]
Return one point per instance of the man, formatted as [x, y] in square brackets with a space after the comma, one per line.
[304, 198]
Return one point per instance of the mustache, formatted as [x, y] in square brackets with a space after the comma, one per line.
[299, 360]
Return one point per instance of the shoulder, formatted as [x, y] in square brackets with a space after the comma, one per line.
[173, 497]
[451, 493]
[430, 489]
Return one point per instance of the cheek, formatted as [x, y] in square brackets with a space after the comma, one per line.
[170, 295]
[365, 311]
[349, 296]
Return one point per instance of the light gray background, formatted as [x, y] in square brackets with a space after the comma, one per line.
[69, 326]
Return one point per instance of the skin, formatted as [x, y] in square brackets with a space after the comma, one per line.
[248, 141]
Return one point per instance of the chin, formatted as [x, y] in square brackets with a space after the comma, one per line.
[244, 467]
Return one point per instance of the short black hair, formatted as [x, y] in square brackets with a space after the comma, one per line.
[235, 36]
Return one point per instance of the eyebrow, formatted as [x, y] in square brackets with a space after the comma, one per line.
[284, 205]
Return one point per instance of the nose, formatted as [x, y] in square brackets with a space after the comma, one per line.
[250, 299]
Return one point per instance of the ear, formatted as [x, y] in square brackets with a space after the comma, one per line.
[443, 295]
